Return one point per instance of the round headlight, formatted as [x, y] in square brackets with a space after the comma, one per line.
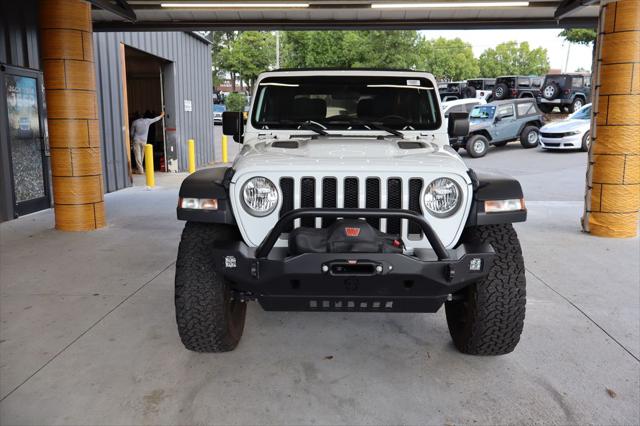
[442, 197]
[259, 196]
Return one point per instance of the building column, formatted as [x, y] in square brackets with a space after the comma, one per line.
[612, 210]
[66, 48]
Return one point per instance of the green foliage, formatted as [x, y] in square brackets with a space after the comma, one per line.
[583, 36]
[321, 49]
[513, 58]
[350, 49]
[248, 54]
[387, 49]
[235, 102]
[448, 59]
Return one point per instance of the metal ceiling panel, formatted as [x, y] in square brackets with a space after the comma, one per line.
[329, 14]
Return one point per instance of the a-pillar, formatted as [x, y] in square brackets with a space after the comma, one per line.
[66, 46]
[615, 174]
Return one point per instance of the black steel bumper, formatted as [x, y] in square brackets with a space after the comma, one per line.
[351, 281]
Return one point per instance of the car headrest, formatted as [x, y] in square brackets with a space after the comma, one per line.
[365, 108]
[304, 109]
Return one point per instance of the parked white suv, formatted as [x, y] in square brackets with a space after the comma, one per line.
[347, 197]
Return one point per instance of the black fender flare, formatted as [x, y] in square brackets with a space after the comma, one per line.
[536, 123]
[208, 183]
[488, 186]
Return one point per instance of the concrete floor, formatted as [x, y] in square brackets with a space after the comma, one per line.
[87, 332]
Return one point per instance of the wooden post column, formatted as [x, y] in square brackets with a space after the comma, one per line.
[66, 46]
[615, 157]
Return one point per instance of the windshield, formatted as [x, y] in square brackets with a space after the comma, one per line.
[560, 80]
[482, 112]
[583, 113]
[346, 103]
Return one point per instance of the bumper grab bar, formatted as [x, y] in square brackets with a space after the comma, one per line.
[269, 241]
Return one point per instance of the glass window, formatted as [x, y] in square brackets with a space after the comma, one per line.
[483, 112]
[576, 82]
[505, 110]
[583, 113]
[524, 82]
[537, 82]
[526, 108]
[336, 102]
[560, 80]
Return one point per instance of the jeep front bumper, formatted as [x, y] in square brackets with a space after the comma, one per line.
[420, 282]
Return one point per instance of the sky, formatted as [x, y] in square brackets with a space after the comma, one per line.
[480, 40]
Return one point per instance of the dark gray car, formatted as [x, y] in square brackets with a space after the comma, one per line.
[500, 122]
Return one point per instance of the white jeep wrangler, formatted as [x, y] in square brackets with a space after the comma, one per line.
[347, 197]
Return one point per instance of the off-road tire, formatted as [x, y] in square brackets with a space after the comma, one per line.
[209, 319]
[470, 146]
[504, 94]
[524, 137]
[487, 317]
[553, 92]
[546, 108]
[469, 92]
[584, 147]
[576, 104]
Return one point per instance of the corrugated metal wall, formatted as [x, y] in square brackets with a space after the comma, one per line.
[191, 58]
[19, 34]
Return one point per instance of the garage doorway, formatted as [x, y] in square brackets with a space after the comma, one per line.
[145, 88]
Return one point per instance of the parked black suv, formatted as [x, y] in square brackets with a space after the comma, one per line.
[517, 86]
[569, 92]
[482, 83]
[452, 90]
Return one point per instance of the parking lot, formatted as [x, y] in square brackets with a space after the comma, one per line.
[96, 343]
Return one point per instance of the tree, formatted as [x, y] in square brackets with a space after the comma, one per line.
[386, 49]
[350, 49]
[318, 49]
[249, 54]
[513, 58]
[583, 36]
[235, 102]
[449, 59]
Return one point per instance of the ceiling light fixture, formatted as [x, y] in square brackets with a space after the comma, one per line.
[225, 5]
[449, 5]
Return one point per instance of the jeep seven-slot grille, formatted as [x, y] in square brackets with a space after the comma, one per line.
[350, 188]
[394, 201]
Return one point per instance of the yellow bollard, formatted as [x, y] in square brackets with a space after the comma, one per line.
[192, 155]
[225, 149]
[148, 165]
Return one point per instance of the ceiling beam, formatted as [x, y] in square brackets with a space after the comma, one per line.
[569, 7]
[388, 24]
[118, 7]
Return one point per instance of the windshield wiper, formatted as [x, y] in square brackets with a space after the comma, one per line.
[307, 125]
[370, 124]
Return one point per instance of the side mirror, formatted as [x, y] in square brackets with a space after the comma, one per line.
[458, 124]
[498, 118]
[233, 125]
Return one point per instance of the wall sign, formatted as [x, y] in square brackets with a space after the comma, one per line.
[187, 105]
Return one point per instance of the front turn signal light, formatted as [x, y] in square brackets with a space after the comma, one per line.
[499, 206]
[198, 203]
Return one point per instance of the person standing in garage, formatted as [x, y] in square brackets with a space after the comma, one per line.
[139, 133]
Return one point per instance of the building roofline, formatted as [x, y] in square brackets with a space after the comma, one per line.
[198, 37]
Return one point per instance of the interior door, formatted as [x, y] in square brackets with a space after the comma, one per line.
[26, 137]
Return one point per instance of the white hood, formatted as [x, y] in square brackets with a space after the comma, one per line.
[569, 125]
[349, 154]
